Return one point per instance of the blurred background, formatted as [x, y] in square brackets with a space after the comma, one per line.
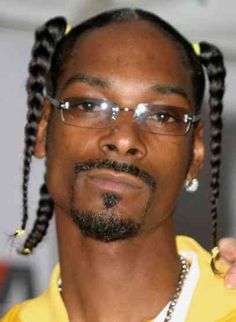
[210, 20]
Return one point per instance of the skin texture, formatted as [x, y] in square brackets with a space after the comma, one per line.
[227, 247]
[138, 275]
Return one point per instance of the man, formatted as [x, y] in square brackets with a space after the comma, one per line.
[121, 133]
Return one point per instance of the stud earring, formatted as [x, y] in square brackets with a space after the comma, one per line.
[191, 186]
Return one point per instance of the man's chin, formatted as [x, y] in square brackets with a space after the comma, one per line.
[105, 227]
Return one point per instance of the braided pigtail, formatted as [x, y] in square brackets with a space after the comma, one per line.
[212, 59]
[46, 40]
[44, 215]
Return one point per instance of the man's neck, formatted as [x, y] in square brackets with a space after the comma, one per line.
[130, 280]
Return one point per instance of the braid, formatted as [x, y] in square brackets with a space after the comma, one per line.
[212, 59]
[46, 39]
[44, 215]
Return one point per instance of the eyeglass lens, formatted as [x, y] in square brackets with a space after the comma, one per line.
[155, 118]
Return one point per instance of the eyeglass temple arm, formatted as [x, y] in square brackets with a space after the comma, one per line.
[196, 118]
[59, 105]
[63, 105]
[54, 101]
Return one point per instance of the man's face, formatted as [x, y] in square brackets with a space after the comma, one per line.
[125, 61]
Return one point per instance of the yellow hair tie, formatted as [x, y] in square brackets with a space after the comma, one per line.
[196, 48]
[218, 267]
[26, 251]
[19, 232]
[68, 29]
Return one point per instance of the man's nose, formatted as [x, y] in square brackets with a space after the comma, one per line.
[123, 139]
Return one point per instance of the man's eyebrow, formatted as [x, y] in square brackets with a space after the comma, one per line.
[104, 83]
[87, 79]
[169, 90]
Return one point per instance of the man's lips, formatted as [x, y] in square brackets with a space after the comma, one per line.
[114, 168]
[108, 179]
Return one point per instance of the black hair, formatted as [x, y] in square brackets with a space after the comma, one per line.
[53, 49]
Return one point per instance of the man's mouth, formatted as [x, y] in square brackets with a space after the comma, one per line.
[109, 180]
[108, 173]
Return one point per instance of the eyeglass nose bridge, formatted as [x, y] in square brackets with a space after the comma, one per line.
[139, 112]
[116, 110]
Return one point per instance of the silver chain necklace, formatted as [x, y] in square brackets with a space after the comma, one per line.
[183, 273]
[182, 276]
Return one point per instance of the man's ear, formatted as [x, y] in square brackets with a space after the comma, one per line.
[198, 153]
[40, 145]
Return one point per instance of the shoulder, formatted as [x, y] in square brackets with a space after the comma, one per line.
[25, 311]
[12, 315]
[185, 243]
[231, 317]
[46, 307]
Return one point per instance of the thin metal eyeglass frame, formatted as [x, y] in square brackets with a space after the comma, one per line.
[65, 105]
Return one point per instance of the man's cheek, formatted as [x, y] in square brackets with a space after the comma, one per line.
[59, 178]
[173, 159]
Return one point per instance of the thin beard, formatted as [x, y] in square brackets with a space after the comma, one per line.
[110, 199]
[105, 228]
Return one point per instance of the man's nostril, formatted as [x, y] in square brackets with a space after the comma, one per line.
[111, 147]
[133, 151]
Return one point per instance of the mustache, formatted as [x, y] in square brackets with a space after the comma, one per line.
[117, 167]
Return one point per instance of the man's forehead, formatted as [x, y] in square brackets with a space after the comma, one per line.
[133, 34]
[128, 45]
[137, 51]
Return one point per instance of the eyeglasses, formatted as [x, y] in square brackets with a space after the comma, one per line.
[99, 114]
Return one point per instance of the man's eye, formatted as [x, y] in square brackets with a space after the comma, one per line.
[87, 106]
[164, 117]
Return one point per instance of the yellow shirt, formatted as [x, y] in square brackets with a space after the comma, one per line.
[211, 301]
